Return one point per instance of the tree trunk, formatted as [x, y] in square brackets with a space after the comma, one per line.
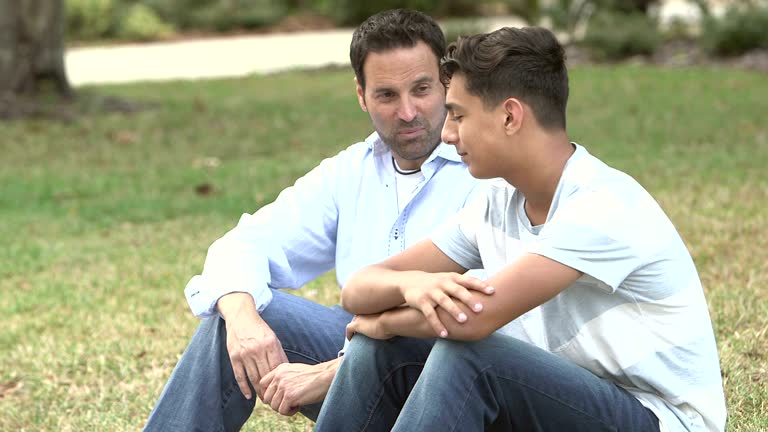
[31, 51]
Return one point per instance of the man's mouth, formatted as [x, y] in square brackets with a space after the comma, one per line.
[408, 133]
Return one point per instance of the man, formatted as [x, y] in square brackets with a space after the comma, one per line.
[368, 202]
[629, 341]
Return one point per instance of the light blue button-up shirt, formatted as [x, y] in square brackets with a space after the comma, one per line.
[342, 214]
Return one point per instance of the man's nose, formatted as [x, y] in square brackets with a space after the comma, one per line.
[407, 110]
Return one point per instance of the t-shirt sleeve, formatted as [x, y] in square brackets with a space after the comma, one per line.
[595, 234]
[457, 238]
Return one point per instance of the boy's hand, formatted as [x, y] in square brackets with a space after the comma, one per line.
[427, 291]
[368, 325]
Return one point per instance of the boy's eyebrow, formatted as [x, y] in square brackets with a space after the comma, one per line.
[451, 106]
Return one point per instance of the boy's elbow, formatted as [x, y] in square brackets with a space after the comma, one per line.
[471, 331]
[347, 303]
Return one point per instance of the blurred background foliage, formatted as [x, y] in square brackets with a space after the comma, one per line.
[607, 29]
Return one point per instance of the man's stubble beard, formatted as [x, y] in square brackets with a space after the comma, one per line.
[414, 149]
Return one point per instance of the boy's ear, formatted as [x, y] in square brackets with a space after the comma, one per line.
[360, 95]
[514, 111]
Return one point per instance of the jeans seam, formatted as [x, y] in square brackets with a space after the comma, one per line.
[381, 390]
[302, 354]
[549, 396]
[469, 393]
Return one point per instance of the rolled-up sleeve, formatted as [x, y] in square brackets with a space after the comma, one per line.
[283, 245]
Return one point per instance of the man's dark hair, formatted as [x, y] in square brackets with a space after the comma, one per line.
[397, 28]
[525, 63]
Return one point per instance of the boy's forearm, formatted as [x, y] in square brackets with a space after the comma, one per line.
[372, 290]
[406, 321]
[409, 322]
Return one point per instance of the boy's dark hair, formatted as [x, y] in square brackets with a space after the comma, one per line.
[397, 28]
[525, 63]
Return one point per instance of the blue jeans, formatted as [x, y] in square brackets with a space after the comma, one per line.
[496, 384]
[202, 394]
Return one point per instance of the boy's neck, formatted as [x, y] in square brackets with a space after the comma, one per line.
[537, 180]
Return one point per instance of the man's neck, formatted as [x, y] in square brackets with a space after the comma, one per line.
[408, 165]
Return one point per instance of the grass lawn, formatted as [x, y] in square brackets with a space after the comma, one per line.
[103, 221]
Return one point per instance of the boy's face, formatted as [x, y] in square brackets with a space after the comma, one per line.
[405, 99]
[477, 133]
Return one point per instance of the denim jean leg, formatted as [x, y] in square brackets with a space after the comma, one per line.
[500, 383]
[309, 332]
[202, 393]
[372, 383]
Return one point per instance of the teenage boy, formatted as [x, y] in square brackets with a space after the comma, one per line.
[629, 341]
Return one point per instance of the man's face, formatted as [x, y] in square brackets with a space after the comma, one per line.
[477, 133]
[405, 99]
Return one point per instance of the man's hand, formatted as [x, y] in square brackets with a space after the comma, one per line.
[253, 348]
[293, 385]
[368, 325]
[426, 291]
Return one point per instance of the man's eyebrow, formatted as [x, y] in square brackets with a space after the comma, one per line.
[383, 89]
[419, 81]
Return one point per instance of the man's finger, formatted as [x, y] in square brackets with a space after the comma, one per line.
[241, 377]
[286, 409]
[277, 399]
[266, 380]
[275, 357]
[261, 363]
[269, 393]
[253, 376]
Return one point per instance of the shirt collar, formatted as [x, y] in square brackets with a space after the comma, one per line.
[442, 150]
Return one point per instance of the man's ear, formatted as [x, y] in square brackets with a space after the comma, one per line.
[514, 111]
[360, 96]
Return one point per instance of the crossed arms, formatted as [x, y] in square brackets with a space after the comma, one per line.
[421, 292]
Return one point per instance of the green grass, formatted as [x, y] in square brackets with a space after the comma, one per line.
[102, 227]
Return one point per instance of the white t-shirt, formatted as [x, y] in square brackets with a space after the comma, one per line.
[638, 315]
[406, 185]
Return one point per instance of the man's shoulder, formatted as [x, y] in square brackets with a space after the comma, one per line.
[358, 151]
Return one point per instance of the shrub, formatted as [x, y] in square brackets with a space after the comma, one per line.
[353, 12]
[139, 22]
[219, 15]
[738, 31]
[612, 36]
[455, 28]
[89, 19]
